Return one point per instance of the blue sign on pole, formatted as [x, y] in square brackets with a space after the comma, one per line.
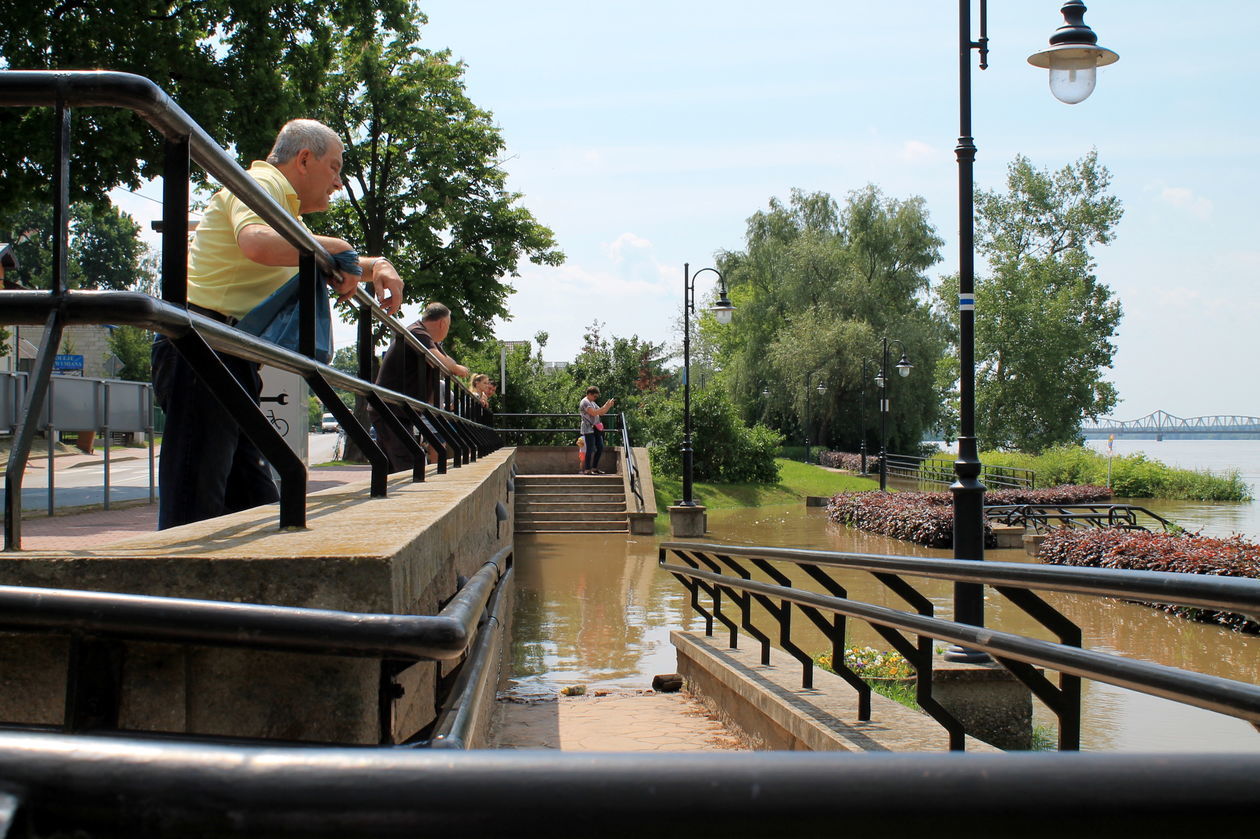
[65, 362]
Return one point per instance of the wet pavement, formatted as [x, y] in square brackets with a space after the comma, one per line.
[643, 721]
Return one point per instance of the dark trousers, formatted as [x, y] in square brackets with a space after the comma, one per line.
[209, 467]
[594, 448]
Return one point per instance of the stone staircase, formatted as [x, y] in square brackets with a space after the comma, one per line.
[570, 504]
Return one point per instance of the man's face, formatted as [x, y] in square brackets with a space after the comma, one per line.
[321, 178]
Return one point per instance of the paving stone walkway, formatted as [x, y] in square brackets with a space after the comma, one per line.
[618, 722]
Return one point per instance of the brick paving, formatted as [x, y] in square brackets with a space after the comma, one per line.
[618, 722]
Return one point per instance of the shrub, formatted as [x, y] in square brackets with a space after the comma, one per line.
[848, 461]
[1184, 553]
[724, 450]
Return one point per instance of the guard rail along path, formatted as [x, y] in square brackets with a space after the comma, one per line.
[725, 574]
[460, 423]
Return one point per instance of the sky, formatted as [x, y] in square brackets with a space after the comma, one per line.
[645, 134]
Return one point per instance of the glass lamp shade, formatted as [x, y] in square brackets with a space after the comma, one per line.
[904, 367]
[822, 388]
[1073, 69]
[723, 313]
[879, 380]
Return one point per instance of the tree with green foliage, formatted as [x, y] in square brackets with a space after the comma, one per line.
[105, 248]
[816, 287]
[239, 68]
[423, 183]
[624, 368]
[1044, 322]
[725, 450]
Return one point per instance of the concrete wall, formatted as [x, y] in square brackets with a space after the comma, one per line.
[398, 555]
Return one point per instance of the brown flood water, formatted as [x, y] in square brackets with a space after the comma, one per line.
[595, 610]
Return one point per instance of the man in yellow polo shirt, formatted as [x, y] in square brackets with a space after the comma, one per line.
[236, 261]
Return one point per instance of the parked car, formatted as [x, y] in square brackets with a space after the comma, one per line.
[329, 423]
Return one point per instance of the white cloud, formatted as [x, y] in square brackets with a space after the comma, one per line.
[1186, 199]
[916, 152]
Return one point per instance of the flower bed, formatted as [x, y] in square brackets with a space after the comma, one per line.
[1141, 551]
[927, 518]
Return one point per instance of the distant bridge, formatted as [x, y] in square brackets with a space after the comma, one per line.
[1162, 424]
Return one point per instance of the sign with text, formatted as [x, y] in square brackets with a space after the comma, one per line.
[64, 362]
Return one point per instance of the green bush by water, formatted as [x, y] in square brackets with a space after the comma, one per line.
[1132, 475]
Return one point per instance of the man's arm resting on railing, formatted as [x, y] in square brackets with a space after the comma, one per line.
[259, 243]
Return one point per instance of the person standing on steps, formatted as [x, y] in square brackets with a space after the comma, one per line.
[592, 428]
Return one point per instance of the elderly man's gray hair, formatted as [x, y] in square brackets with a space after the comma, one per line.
[299, 134]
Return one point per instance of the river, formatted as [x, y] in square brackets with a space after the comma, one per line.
[594, 610]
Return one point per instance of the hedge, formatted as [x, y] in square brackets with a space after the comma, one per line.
[927, 518]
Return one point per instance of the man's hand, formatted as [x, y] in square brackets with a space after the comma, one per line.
[388, 285]
[344, 285]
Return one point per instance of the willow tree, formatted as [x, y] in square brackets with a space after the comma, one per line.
[423, 181]
[816, 287]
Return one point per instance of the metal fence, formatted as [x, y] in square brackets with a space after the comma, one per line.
[73, 402]
[939, 471]
[724, 574]
[459, 422]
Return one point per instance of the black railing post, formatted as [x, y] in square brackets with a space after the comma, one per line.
[175, 173]
[308, 291]
[61, 203]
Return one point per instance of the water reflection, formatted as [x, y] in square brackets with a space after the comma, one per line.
[595, 610]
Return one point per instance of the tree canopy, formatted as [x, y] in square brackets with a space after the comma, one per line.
[240, 68]
[423, 184]
[1044, 322]
[816, 288]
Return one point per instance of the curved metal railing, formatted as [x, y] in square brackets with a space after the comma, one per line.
[459, 421]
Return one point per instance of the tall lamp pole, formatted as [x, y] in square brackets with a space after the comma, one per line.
[881, 380]
[822, 388]
[1072, 61]
[862, 413]
[722, 309]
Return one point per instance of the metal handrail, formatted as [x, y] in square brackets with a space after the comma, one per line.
[632, 470]
[1019, 654]
[464, 427]
[121, 786]
[936, 469]
[1039, 516]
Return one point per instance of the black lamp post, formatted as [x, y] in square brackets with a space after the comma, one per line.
[881, 380]
[723, 310]
[1071, 59]
[822, 388]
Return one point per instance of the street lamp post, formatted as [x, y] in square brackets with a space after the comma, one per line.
[822, 388]
[1071, 59]
[862, 413]
[723, 310]
[881, 380]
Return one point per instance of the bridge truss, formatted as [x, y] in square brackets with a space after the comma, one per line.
[1161, 423]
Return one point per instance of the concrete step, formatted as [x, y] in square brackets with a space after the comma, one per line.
[569, 515]
[570, 498]
[523, 506]
[542, 480]
[572, 526]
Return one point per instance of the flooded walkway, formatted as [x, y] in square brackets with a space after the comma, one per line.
[615, 722]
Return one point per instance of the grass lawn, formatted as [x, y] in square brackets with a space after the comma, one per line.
[796, 480]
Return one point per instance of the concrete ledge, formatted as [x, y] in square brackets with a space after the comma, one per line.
[1008, 535]
[768, 704]
[688, 522]
[397, 555]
